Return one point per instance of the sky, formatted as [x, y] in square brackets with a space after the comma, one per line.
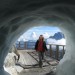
[43, 29]
[36, 31]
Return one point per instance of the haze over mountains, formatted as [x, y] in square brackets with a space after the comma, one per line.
[57, 38]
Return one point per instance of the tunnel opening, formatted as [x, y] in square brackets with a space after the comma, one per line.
[53, 36]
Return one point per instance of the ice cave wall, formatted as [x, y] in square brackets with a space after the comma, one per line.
[19, 15]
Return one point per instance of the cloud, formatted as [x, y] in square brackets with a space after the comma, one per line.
[59, 42]
[46, 35]
[33, 36]
[51, 41]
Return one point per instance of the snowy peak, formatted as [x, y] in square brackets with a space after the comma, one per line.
[33, 36]
[46, 35]
[57, 36]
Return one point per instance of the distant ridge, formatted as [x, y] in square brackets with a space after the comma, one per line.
[57, 36]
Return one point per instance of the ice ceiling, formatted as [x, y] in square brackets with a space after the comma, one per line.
[17, 16]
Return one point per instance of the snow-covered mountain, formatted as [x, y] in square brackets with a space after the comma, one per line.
[46, 35]
[33, 36]
[57, 36]
[21, 38]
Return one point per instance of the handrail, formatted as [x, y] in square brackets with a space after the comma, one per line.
[57, 53]
[57, 50]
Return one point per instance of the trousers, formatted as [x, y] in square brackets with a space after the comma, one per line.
[41, 57]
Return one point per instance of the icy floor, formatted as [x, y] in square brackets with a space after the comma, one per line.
[16, 70]
[13, 69]
[38, 71]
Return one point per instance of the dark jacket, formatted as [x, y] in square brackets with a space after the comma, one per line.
[44, 45]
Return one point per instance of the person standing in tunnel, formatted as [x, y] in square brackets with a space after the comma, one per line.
[40, 47]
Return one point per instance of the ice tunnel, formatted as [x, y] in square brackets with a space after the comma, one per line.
[19, 15]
